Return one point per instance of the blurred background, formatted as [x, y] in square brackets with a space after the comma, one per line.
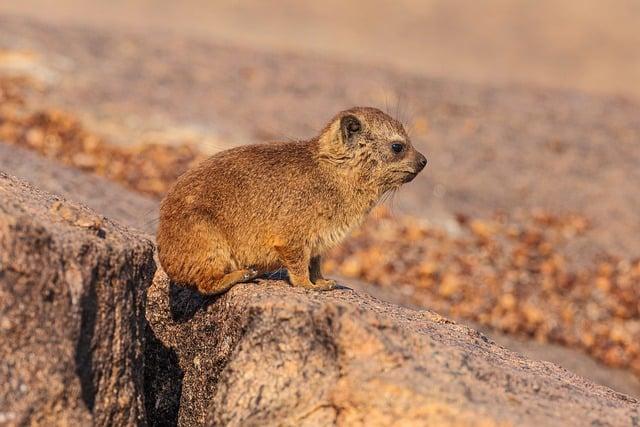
[525, 223]
[587, 45]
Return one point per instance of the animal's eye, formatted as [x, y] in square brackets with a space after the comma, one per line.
[354, 126]
[397, 147]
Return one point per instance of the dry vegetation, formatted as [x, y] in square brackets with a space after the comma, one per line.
[148, 168]
[508, 272]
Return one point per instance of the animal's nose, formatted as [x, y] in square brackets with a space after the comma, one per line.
[422, 162]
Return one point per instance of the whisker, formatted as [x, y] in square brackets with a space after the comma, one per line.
[154, 220]
[392, 207]
[386, 101]
[277, 274]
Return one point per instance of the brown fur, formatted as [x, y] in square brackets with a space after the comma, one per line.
[256, 208]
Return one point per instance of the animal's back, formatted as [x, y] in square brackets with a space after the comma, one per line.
[236, 204]
[249, 186]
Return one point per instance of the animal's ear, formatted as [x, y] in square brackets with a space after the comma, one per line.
[350, 126]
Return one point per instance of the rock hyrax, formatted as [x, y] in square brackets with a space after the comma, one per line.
[254, 209]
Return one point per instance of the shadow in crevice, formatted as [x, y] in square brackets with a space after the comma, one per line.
[84, 355]
[162, 382]
[184, 302]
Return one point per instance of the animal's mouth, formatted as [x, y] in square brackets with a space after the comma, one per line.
[409, 177]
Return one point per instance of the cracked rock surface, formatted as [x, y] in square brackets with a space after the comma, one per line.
[266, 353]
[72, 301]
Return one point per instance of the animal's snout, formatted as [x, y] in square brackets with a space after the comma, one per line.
[421, 163]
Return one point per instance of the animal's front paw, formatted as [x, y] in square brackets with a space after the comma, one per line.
[325, 284]
[249, 274]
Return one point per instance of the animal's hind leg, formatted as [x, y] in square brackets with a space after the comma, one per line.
[221, 284]
[213, 269]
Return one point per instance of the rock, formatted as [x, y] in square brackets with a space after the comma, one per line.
[72, 303]
[104, 196]
[267, 353]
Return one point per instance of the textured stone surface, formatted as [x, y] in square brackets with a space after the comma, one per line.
[266, 353]
[110, 199]
[72, 305]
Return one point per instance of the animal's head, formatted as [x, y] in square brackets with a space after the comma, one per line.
[374, 145]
